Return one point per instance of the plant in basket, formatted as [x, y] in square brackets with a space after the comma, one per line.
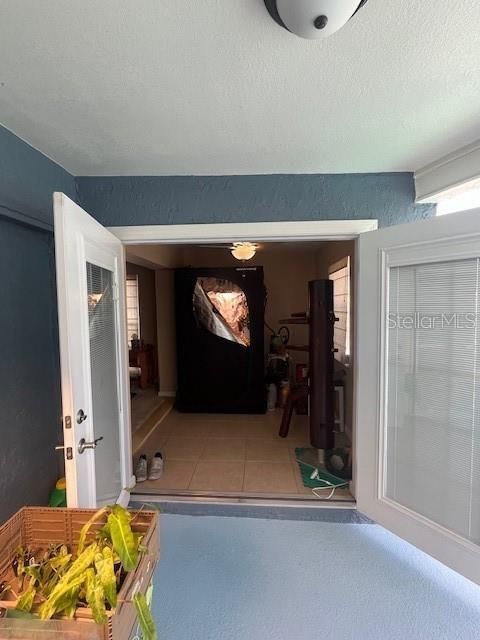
[59, 581]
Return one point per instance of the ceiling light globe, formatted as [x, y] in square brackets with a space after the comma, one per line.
[314, 19]
[243, 251]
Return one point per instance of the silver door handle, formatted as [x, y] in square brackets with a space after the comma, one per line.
[68, 451]
[83, 444]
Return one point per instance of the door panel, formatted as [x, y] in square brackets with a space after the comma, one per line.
[93, 349]
[418, 391]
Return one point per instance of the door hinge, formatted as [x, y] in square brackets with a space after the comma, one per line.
[115, 291]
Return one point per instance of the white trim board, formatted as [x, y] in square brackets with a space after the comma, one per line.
[236, 231]
[448, 172]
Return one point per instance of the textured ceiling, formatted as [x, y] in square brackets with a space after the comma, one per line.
[161, 87]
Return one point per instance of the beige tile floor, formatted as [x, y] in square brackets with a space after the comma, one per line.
[143, 404]
[229, 455]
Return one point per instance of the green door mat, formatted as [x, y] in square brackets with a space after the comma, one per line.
[323, 479]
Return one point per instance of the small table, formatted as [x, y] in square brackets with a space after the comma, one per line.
[143, 358]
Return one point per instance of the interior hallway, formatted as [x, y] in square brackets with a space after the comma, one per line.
[229, 455]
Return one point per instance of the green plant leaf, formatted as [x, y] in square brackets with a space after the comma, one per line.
[71, 580]
[69, 611]
[67, 602]
[25, 602]
[60, 597]
[95, 596]
[145, 619]
[104, 532]
[106, 572]
[49, 586]
[34, 572]
[86, 527]
[60, 562]
[46, 574]
[122, 537]
[78, 566]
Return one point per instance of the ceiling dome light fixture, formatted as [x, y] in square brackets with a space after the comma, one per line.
[244, 250]
[313, 19]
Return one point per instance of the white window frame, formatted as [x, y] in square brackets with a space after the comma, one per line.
[133, 278]
[340, 265]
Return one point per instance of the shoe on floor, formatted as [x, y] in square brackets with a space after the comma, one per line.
[141, 468]
[156, 467]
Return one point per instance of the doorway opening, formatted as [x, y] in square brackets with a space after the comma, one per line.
[143, 348]
[216, 437]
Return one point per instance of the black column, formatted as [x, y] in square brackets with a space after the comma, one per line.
[321, 367]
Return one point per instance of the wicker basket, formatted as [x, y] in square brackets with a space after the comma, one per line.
[39, 527]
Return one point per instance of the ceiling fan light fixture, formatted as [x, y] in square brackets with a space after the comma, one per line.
[243, 250]
[313, 19]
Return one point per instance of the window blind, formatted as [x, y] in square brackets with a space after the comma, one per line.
[133, 311]
[104, 375]
[433, 394]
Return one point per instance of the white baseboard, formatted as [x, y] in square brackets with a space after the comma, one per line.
[167, 394]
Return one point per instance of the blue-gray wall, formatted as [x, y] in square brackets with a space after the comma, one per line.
[389, 197]
[27, 181]
[29, 370]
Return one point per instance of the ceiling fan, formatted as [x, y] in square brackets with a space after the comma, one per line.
[240, 250]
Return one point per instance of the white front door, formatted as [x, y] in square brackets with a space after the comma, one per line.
[94, 361]
[418, 385]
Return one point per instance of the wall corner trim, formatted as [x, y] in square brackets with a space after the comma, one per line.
[448, 172]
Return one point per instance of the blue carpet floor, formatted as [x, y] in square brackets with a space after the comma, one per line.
[231, 578]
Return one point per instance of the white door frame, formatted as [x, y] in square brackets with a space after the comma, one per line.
[301, 231]
[236, 231]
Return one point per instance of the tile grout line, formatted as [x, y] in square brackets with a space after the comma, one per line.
[193, 474]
